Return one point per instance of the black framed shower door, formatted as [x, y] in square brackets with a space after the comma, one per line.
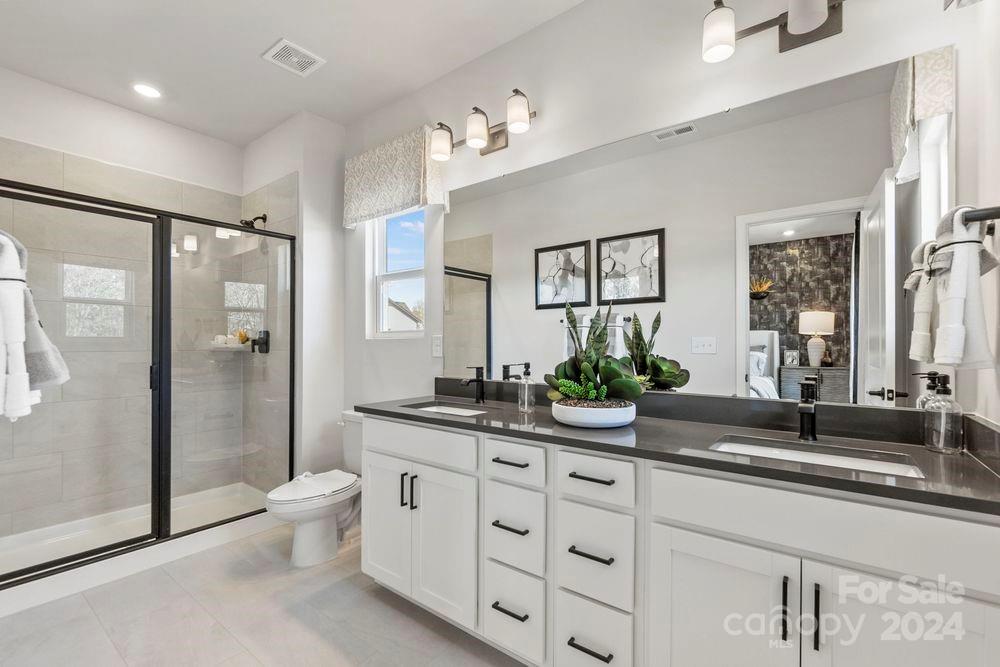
[161, 393]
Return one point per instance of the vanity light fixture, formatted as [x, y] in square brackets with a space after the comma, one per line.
[477, 129]
[805, 22]
[191, 243]
[442, 143]
[479, 134]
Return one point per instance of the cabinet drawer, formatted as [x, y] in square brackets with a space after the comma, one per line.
[587, 634]
[607, 480]
[515, 526]
[514, 613]
[595, 552]
[447, 448]
[515, 462]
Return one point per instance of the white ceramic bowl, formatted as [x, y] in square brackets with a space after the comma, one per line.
[594, 417]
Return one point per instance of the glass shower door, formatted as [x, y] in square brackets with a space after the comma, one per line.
[76, 473]
[231, 318]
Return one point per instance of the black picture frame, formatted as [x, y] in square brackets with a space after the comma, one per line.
[661, 292]
[586, 247]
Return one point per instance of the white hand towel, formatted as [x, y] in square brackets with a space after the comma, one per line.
[18, 399]
[921, 283]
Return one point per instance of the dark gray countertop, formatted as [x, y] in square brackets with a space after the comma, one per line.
[954, 482]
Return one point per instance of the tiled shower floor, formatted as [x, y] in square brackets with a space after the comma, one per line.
[191, 511]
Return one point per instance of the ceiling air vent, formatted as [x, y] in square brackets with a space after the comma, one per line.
[671, 132]
[294, 58]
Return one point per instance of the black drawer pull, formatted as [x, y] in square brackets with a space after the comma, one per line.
[497, 524]
[595, 480]
[606, 659]
[603, 561]
[784, 609]
[816, 614]
[516, 617]
[402, 489]
[497, 459]
[413, 498]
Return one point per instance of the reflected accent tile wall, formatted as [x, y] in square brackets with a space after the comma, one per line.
[809, 274]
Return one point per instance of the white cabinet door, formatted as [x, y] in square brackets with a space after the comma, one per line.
[385, 516]
[869, 621]
[445, 517]
[716, 602]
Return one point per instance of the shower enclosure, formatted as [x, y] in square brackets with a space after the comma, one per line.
[169, 423]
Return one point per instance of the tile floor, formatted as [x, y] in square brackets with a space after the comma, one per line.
[240, 604]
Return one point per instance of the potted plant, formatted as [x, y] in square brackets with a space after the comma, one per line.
[760, 288]
[651, 370]
[592, 389]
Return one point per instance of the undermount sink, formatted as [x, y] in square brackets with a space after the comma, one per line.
[455, 409]
[866, 460]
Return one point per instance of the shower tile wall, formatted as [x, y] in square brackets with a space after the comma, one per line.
[85, 450]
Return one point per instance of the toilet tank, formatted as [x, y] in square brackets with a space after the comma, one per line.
[353, 422]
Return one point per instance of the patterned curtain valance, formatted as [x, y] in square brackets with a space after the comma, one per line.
[924, 88]
[391, 178]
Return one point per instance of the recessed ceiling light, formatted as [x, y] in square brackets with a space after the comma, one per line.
[788, 232]
[146, 90]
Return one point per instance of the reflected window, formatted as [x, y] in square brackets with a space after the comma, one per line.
[246, 303]
[95, 298]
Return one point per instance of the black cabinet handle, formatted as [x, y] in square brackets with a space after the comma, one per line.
[497, 524]
[784, 609]
[603, 561]
[508, 612]
[497, 459]
[413, 498]
[606, 659]
[816, 614]
[595, 480]
[402, 489]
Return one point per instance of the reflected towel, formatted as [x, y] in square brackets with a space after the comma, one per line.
[921, 283]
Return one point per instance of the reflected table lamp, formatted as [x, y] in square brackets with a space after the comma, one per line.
[816, 323]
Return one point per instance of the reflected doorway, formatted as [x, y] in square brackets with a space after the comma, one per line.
[468, 321]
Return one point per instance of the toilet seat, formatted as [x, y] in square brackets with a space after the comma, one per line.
[307, 487]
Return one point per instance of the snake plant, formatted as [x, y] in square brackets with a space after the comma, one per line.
[652, 370]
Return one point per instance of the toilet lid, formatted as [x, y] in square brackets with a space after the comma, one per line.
[308, 486]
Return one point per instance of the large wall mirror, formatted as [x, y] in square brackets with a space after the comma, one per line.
[774, 240]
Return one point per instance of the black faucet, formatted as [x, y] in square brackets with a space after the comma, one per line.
[480, 383]
[807, 409]
[506, 371]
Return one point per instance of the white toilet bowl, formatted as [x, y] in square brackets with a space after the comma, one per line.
[322, 507]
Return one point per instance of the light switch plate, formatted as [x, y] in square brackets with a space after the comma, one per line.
[703, 345]
[437, 345]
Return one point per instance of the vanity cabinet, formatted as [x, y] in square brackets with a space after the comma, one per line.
[420, 533]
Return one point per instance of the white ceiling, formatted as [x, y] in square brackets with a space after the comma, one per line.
[204, 55]
[805, 228]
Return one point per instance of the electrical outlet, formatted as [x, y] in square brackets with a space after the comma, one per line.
[703, 345]
[437, 345]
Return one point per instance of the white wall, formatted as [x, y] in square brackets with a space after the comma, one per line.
[313, 147]
[39, 113]
[695, 191]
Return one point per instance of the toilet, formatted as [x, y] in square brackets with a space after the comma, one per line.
[322, 506]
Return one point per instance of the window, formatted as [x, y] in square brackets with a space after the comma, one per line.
[94, 301]
[246, 303]
[397, 275]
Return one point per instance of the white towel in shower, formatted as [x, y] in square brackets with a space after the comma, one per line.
[18, 397]
[962, 338]
[920, 282]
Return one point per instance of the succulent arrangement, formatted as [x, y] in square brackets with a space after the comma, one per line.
[591, 374]
[652, 370]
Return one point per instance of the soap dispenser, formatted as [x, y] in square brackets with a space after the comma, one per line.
[932, 383]
[526, 391]
[943, 420]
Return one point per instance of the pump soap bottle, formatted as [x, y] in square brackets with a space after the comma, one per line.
[943, 420]
[526, 392]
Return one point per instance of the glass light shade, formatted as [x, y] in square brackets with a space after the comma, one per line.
[518, 113]
[477, 129]
[806, 15]
[718, 37]
[816, 323]
[441, 143]
[191, 243]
